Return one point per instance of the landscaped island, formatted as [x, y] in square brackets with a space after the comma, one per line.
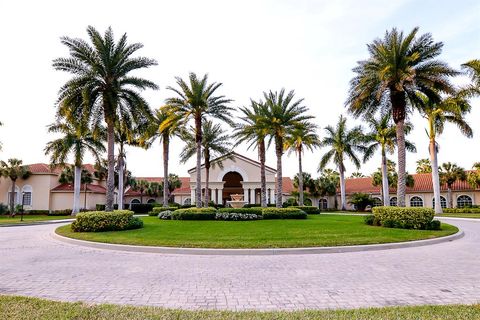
[317, 230]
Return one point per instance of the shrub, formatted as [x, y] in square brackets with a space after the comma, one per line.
[65, 212]
[3, 208]
[234, 216]
[290, 203]
[361, 200]
[308, 209]
[95, 221]
[253, 210]
[186, 206]
[434, 225]
[165, 215]
[461, 210]
[101, 207]
[156, 210]
[141, 207]
[194, 214]
[44, 212]
[257, 205]
[369, 219]
[283, 213]
[406, 218]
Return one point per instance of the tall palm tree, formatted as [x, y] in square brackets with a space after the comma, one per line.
[399, 67]
[165, 125]
[196, 100]
[13, 169]
[450, 109]
[68, 176]
[473, 177]
[342, 143]
[392, 178]
[449, 173]
[472, 69]
[253, 129]
[102, 87]
[424, 166]
[77, 139]
[302, 136]
[214, 143]
[282, 114]
[383, 135]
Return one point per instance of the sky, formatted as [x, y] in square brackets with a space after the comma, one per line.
[249, 46]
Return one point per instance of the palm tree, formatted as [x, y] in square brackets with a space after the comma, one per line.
[214, 143]
[327, 184]
[196, 100]
[254, 130]
[165, 125]
[102, 87]
[68, 176]
[173, 182]
[343, 143]
[302, 136]
[449, 173]
[141, 186]
[282, 115]
[383, 135]
[77, 139]
[450, 109]
[473, 177]
[13, 169]
[154, 189]
[424, 166]
[399, 67]
[392, 178]
[472, 69]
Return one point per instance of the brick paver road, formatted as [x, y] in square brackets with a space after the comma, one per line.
[32, 263]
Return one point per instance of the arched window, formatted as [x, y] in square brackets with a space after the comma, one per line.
[187, 202]
[464, 201]
[323, 204]
[377, 202]
[151, 201]
[27, 195]
[416, 202]
[443, 202]
[134, 201]
[393, 201]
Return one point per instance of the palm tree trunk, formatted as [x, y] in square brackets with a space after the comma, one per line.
[401, 183]
[85, 199]
[342, 188]
[435, 176]
[166, 143]
[279, 153]
[207, 180]
[121, 183]
[76, 190]
[385, 186]
[263, 179]
[449, 196]
[300, 179]
[12, 199]
[111, 165]
[198, 140]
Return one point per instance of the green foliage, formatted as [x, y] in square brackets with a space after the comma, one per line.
[97, 221]
[256, 205]
[156, 210]
[361, 200]
[101, 207]
[461, 210]
[165, 215]
[450, 172]
[3, 209]
[194, 214]
[405, 218]
[371, 220]
[65, 212]
[308, 209]
[434, 225]
[424, 166]
[283, 213]
[252, 210]
[236, 216]
[141, 207]
[290, 202]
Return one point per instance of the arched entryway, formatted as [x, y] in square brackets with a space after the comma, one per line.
[233, 185]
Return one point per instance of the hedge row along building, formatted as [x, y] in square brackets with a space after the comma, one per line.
[237, 175]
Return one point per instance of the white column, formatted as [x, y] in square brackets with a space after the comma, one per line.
[220, 196]
[245, 194]
[272, 196]
[192, 196]
[252, 196]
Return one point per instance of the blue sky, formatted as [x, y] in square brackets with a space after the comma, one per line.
[250, 46]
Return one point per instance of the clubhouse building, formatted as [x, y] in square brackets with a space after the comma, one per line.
[235, 174]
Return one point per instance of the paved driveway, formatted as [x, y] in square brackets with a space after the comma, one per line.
[32, 263]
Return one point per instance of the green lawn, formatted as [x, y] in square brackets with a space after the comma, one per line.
[5, 219]
[461, 215]
[19, 308]
[317, 230]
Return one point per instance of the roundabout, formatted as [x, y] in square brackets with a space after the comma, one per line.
[35, 264]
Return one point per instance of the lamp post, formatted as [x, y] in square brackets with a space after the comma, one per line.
[23, 200]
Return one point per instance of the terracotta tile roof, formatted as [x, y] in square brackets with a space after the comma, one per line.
[68, 187]
[46, 168]
[287, 185]
[423, 183]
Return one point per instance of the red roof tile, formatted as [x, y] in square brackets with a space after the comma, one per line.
[46, 168]
[68, 187]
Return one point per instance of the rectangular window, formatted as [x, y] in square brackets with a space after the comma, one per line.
[27, 198]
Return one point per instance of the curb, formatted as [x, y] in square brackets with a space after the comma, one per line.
[34, 223]
[257, 252]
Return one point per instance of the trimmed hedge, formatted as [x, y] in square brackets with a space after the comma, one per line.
[252, 210]
[461, 210]
[194, 214]
[257, 205]
[66, 212]
[235, 216]
[283, 213]
[96, 221]
[308, 209]
[405, 218]
[101, 207]
[156, 210]
[141, 207]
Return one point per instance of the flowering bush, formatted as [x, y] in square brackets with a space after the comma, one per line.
[252, 210]
[95, 221]
[234, 216]
[165, 215]
[156, 210]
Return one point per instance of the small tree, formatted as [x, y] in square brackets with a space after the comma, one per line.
[173, 182]
[449, 173]
[141, 186]
[361, 201]
[13, 169]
